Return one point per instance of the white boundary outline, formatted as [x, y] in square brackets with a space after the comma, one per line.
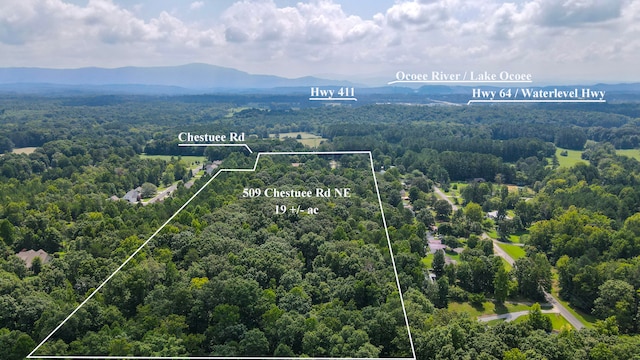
[393, 262]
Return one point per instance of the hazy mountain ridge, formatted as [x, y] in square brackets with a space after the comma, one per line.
[203, 78]
[191, 76]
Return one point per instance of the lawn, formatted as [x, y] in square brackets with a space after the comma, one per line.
[633, 153]
[458, 188]
[516, 252]
[453, 255]
[189, 160]
[454, 194]
[507, 266]
[24, 150]
[515, 238]
[558, 322]
[306, 138]
[487, 308]
[573, 157]
[234, 111]
[427, 261]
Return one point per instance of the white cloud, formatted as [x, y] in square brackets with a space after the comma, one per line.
[418, 14]
[196, 5]
[557, 36]
[569, 13]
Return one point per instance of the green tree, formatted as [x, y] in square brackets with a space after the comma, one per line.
[533, 275]
[36, 265]
[473, 212]
[537, 320]
[443, 293]
[443, 210]
[514, 354]
[501, 284]
[7, 232]
[438, 262]
[426, 217]
[616, 298]
[148, 190]
[254, 343]
[414, 194]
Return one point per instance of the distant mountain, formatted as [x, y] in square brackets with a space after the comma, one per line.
[203, 78]
[464, 89]
[191, 76]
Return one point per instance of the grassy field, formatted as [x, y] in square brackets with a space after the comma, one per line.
[487, 308]
[558, 322]
[234, 111]
[507, 266]
[458, 188]
[633, 153]
[453, 255]
[24, 150]
[515, 238]
[516, 252]
[427, 261]
[573, 156]
[307, 139]
[456, 193]
[189, 160]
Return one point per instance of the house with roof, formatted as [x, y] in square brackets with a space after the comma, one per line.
[28, 255]
[133, 196]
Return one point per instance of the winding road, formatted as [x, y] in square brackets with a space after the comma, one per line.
[557, 306]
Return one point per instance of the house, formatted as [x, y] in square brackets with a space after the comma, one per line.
[133, 196]
[494, 215]
[209, 168]
[28, 255]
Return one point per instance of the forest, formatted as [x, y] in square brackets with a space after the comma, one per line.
[230, 275]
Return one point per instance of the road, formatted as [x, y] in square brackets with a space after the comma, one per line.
[563, 311]
[162, 194]
[557, 306]
[512, 315]
[442, 196]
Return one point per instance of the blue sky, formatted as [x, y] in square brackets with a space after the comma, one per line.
[554, 40]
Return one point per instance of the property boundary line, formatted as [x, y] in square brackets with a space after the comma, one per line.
[253, 169]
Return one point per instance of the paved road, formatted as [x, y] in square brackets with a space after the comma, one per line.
[557, 306]
[512, 315]
[162, 194]
[442, 196]
[563, 311]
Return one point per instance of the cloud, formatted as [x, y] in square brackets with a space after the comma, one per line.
[306, 38]
[569, 13]
[319, 22]
[424, 15]
[196, 5]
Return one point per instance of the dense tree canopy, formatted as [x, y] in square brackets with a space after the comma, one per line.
[230, 276]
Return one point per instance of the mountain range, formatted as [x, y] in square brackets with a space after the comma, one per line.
[199, 78]
[190, 76]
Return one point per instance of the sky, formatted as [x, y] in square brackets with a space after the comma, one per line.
[553, 40]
